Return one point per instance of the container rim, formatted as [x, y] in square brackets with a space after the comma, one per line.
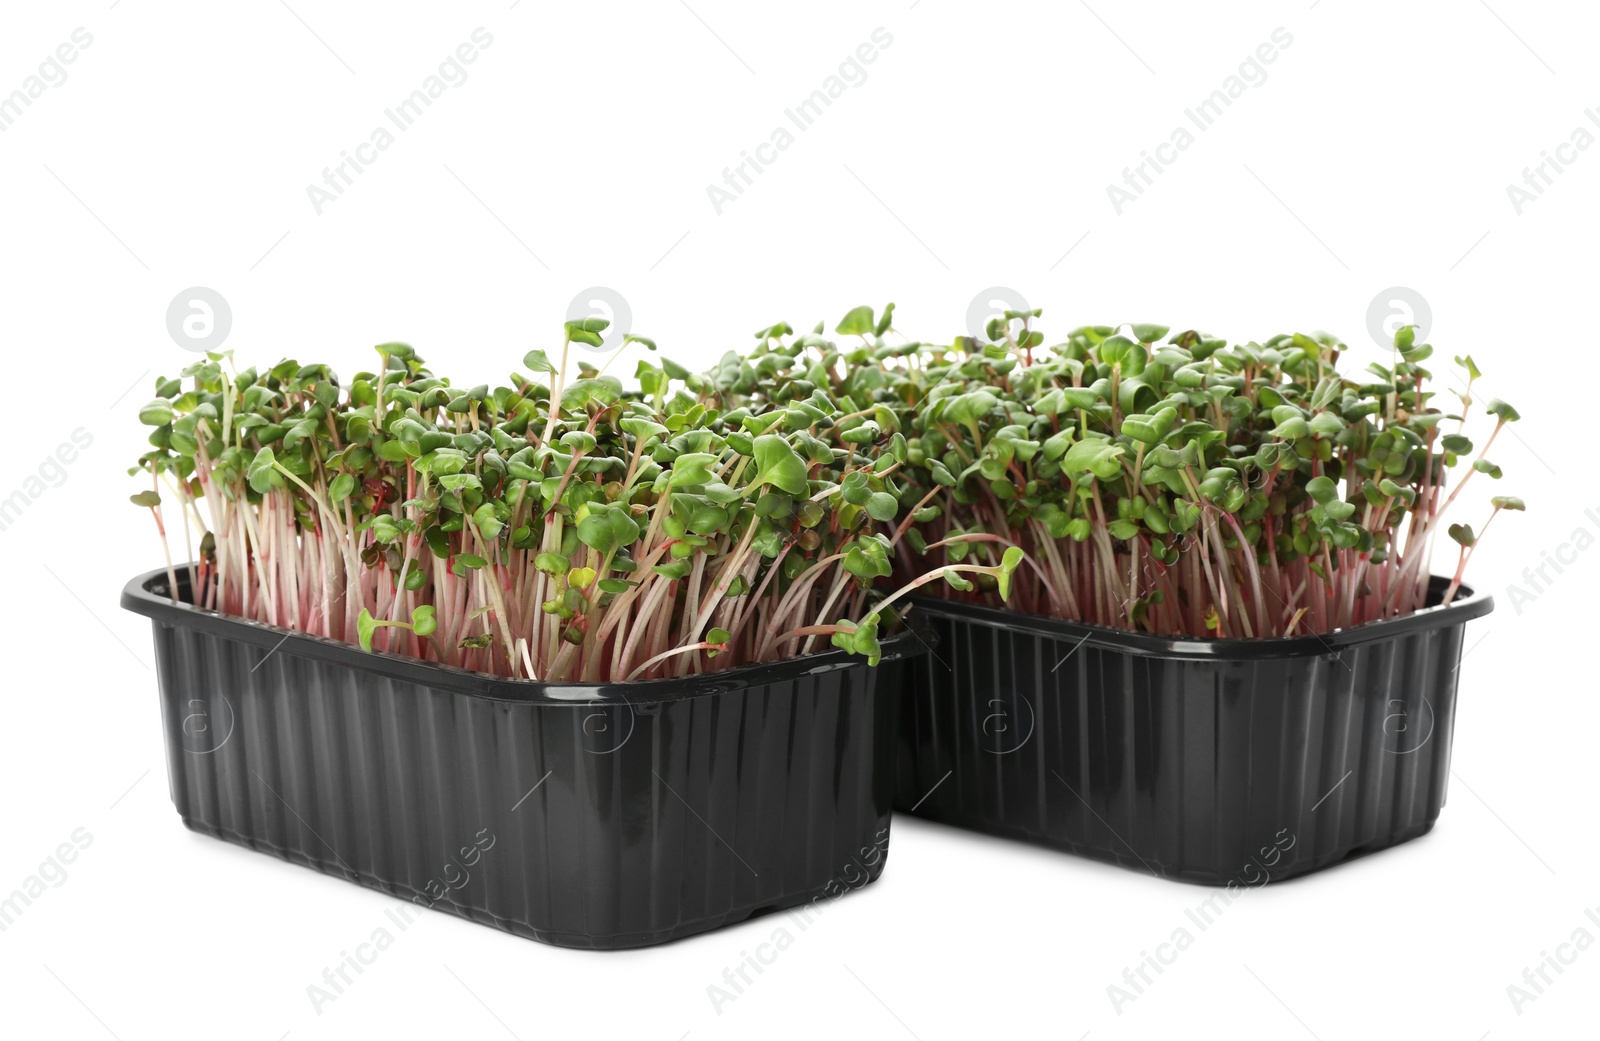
[1467, 605]
[146, 594]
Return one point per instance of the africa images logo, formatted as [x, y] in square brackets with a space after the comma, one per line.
[207, 723]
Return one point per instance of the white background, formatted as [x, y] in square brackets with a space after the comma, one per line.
[977, 152]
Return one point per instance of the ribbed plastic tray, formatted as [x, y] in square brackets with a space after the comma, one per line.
[583, 815]
[1213, 761]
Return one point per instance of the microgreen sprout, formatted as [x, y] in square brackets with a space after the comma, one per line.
[1155, 480]
[791, 497]
[553, 529]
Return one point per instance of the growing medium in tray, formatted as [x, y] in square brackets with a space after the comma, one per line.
[553, 529]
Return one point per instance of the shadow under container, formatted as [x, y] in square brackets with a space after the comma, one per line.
[1210, 761]
[584, 815]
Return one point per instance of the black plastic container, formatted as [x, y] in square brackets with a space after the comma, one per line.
[1212, 761]
[583, 815]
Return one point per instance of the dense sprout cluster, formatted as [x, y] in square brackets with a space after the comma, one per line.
[794, 495]
[1158, 480]
[551, 529]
